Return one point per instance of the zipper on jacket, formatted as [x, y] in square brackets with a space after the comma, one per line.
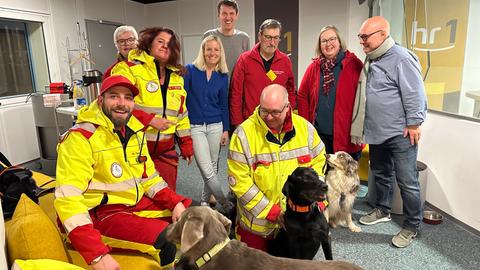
[124, 140]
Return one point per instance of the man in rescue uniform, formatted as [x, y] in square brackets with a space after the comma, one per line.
[107, 185]
[264, 151]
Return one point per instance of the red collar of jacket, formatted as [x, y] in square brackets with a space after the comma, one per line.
[255, 53]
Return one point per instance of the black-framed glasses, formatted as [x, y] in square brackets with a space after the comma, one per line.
[365, 37]
[270, 38]
[265, 113]
[128, 41]
[325, 41]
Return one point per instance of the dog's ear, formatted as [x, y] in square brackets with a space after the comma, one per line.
[173, 233]
[174, 230]
[225, 221]
[192, 233]
[286, 186]
[354, 189]
[352, 167]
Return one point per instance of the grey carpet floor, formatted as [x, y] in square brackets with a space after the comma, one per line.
[443, 246]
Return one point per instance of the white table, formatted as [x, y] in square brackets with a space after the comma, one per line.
[476, 96]
[67, 110]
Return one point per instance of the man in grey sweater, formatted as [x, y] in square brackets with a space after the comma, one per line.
[395, 109]
[234, 41]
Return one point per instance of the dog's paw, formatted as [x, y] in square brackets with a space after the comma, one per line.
[333, 225]
[355, 228]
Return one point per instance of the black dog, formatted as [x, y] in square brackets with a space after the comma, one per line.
[306, 226]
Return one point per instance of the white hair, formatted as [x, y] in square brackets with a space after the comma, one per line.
[123, 29]
[199, 62]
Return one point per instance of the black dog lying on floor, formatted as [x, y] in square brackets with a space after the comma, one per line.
[306, 226]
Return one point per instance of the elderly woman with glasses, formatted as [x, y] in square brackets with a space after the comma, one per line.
[156, 71]
[125, 38]
[326, 95]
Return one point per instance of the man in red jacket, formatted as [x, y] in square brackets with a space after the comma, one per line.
[258, 68]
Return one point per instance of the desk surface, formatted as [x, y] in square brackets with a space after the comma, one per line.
[473, 94]
[67, 110]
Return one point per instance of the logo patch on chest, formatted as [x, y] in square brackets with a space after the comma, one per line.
[152, 86]
[116, 170]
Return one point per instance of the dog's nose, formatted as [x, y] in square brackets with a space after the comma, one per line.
[325, 188]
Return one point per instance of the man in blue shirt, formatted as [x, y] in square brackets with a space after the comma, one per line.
[395, 109]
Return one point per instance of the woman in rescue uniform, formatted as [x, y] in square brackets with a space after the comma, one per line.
[155, 69]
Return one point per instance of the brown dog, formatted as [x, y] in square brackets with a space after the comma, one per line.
[203, 237]
[343, 184]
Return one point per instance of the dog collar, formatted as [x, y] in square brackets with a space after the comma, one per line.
[298, 208]
[207, 256]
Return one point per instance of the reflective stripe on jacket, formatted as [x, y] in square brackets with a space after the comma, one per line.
[258, 167]
[94, 168]
[141, 70]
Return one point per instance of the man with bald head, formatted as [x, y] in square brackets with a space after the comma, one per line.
[264, 150]
[394, 110]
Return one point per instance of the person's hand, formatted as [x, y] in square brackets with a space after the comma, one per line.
[160, 123]
[107, 262]
[414, 133]
[188, 159]
[224, 139]
[177, 211]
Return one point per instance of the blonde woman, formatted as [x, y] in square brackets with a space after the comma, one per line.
[326, 95]
[206, 83]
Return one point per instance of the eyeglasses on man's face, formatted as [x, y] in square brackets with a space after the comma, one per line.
[270, 38]
[365, 37]
[128, 41]
[327, 40]
[265, 113]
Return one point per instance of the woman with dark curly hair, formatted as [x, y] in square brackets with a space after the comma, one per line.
[156, 71]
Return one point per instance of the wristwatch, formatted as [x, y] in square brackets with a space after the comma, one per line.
[97, 259]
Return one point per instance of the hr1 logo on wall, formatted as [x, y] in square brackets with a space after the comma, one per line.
[429, 39]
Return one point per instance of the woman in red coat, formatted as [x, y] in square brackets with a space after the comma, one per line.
[327, 93]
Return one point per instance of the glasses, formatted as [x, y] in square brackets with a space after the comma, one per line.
[325, 41]
[365, 37]
[265, 113]
[128, 41]
[270, 38]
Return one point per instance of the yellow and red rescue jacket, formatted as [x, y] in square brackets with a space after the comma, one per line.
[94, 168]
[259, 163]
[141, 71]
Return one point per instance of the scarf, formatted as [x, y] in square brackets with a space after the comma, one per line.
[327, 68]
[358, 117]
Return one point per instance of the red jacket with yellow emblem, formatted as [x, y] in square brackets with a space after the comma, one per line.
[249, 78]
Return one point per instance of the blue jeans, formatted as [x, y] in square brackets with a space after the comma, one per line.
[206, 147]
[396, 157]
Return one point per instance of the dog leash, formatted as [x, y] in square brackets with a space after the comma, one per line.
[206, 257]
